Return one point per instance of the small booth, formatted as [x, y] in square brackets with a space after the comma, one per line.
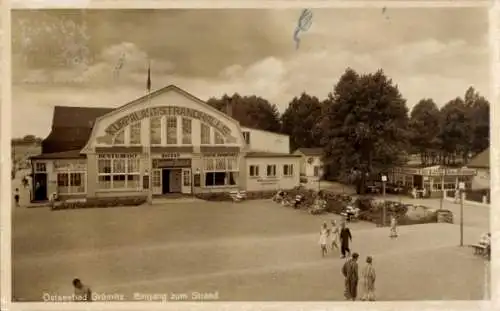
[434, 179]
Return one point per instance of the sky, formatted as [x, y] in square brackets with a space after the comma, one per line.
[70, 57]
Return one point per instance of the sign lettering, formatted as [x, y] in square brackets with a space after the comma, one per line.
[167, 111]
[164, 163]
[220, 154]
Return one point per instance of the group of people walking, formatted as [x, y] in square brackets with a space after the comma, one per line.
[330, 238]
[333, 236]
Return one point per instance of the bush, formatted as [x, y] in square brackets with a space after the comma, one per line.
[100, 203]
[225, 196]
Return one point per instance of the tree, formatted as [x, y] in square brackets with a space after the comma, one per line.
[365, 125]
[424, 130]
[479, 115]
[299, 122]
[455, 132]
[250, 111]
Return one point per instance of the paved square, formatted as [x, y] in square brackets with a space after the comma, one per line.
[255, 250]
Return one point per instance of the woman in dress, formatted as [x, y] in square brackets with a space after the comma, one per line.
[334, 235]
[369, 280]
[394, 233]
[323, 238]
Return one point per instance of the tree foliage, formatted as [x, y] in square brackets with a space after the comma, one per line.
[26, 140]
[364, 125]
[300, 120]
[424, 129]
[250, 111]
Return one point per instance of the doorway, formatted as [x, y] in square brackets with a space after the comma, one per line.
[40, 187]
[418, 181]
[165, 181]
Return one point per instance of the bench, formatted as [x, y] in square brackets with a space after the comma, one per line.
[479, 249]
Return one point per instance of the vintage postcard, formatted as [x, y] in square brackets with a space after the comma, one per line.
[299, 154]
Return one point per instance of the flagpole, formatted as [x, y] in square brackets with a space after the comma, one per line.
[150, 156]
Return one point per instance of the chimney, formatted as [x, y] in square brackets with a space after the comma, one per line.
[229, 107]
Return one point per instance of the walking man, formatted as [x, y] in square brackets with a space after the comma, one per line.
[16, 197]
[345, 238]
[350, 272]
[368, 280]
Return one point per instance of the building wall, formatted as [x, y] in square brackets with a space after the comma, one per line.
[263, 141]
[262, 182]
[482, 179]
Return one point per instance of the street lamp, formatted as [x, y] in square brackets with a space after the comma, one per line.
[461, 188]
[384, 180]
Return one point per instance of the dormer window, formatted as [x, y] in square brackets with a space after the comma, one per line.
[246, 136]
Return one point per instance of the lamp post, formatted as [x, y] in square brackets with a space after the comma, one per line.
[461, 187]
[384, 180]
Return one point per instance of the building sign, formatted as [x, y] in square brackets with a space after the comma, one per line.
[220, 154]
[70, 165]
[268, 181]
[167, 163]
[172, 155]
[167, 111]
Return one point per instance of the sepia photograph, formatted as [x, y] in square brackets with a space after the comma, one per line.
[301, 154]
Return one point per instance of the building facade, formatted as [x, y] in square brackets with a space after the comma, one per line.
[435, 178]
[310, 162]
[170, 141]
[481, 163]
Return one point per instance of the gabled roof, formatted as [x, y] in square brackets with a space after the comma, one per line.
[82, 117]
[73, 154]
[311, 152]
[481, 160]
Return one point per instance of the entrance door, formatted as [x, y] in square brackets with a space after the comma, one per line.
[156, 182]
[165, 178]
[176, 181]
[40, 187]
[186, 180]
[418, 181]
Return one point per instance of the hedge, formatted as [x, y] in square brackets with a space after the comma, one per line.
[100, 203]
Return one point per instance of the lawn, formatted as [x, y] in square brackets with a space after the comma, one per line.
[250, 251]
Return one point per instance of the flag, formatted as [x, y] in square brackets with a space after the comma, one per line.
[148, 83]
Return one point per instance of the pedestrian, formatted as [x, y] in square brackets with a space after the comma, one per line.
[334, 233]
[350, 272]
[323, 238]
[345, 238]
[16, 197]
[82, 292]
[369, 280]
[394, 233]
[457, 195]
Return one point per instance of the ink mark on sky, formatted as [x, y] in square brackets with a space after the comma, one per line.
[304, 23]
[384, 10]
[119, 65]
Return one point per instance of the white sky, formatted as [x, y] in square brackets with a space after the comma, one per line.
[429, 53]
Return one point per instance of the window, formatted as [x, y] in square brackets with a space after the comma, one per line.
[316, 171]
[171, 130]
[70, 183]
[40, 167]
[254, 171]
[271, 170]
[186, 131]
[246, 136]
[221, 171]
[119, 171]
[205, 134]
[219, 139]
[119, 138]
[288, 170]
[135, 133]
[155, 130]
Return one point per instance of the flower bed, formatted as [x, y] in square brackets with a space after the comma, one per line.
[99, 203]
[225, 196]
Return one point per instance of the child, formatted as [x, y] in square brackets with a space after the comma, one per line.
[16, 197]
[323, 237]
[394, 233]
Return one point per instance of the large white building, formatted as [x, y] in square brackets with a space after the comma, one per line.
[195, 148]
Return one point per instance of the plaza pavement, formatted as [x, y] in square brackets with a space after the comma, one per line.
[254, 250]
